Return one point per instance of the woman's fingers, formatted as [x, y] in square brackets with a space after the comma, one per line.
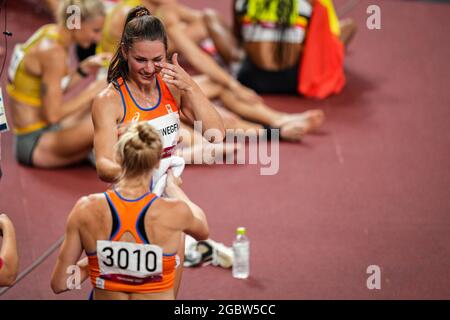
[168, 72]
[175, 59]
[175, 82]
[165, 65]
[174, 74]
[181, 85]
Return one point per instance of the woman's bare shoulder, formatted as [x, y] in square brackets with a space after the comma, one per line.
[87, 207]
[50, 53]
[108, 97]
[110, 93]
[170, 208]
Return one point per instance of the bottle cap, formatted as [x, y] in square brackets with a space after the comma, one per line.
[241, 231]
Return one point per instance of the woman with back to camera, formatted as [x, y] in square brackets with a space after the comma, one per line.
[132, 237]
[272, 34]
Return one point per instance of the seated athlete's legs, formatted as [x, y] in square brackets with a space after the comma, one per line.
[65, 146]
[233, 121]
[191, 19]
[222, 36]
[211, 89]
[258, 112]
[195, 26]
[194, 145]
[292, 126]
[214, 90]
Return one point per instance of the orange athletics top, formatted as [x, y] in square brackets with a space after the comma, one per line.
[126, 266]
[164, 116]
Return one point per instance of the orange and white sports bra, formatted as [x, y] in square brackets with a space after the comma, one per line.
[164, 116]
[126, 266]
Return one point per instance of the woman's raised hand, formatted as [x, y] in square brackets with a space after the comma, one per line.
[176, 75]
[172, 180]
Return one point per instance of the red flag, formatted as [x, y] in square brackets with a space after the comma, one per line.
[321, 71]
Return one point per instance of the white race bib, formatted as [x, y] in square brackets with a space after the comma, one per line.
[3, 121]
[168, 127]
[17, 57]
[129, 262]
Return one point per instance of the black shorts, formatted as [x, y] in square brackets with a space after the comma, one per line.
[25, 144]
[262, 81]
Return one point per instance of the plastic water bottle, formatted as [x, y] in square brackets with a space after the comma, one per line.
[241, 255]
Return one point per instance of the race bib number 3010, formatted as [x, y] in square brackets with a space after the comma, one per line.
[129, 262]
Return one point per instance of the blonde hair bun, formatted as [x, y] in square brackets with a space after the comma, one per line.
[139, 149]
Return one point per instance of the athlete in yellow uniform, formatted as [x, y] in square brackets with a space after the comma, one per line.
[50, 132]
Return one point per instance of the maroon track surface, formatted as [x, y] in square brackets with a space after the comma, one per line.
[372, 188]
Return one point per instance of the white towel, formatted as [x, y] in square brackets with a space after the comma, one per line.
[175, 163]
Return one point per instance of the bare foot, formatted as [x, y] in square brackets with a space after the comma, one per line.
[292, 131]
[312, 119]
[308, 121]
[291, 127]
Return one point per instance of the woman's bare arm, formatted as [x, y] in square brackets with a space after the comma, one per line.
[8, 252]
[105, 115]
[190, 216]
[53, 71]
[70, 251]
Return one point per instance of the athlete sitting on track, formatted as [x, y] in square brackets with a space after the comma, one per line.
[51, 132]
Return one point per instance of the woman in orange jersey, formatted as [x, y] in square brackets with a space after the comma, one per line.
[243, 108]
[143, 86]
[132, 237]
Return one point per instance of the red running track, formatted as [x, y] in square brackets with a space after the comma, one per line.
[372, 189]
